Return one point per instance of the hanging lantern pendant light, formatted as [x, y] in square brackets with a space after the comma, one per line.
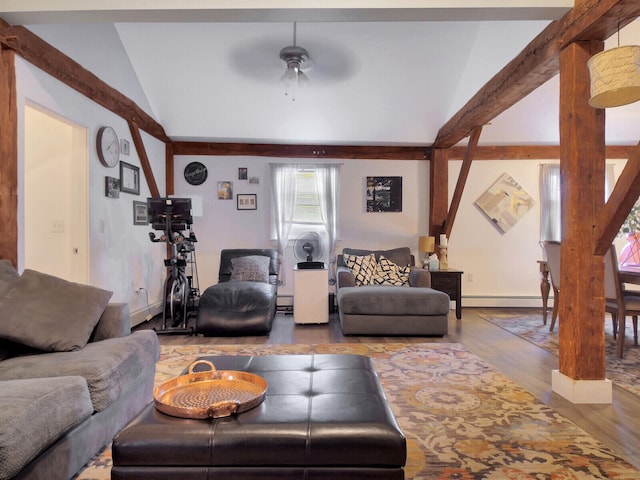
[615, 76]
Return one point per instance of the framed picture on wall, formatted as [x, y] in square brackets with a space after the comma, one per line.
[247, 201]
[140, 213]
[129, 178]
[242, 173]
[225, 190]
[111, 187]
[384, 194]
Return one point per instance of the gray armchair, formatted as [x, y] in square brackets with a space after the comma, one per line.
[415, 309]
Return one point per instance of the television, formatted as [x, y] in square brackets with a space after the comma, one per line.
[169, 213]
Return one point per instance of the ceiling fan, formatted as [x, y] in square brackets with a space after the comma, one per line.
[296, 60]
[263, 58]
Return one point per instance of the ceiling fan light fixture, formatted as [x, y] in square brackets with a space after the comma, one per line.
[296, 59]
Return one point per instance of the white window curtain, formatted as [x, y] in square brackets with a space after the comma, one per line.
[328, 178]
[550, 208]
[550, 213]
[283, 195]
[283, 192]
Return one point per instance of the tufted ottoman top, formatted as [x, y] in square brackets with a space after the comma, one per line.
[322, 413]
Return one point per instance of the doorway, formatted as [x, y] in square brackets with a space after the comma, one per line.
[55, 196]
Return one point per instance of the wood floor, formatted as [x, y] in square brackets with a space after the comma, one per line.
[616, 426]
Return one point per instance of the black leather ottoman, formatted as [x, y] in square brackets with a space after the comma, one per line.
[324, 417]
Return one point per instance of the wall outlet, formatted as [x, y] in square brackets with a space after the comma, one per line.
[57, 226]
[469, 277]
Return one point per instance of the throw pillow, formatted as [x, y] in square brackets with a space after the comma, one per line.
[388, 273]
[49, 313]
[362, 267]
[252, 268]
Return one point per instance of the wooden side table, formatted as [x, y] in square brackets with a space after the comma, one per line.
[449, 281]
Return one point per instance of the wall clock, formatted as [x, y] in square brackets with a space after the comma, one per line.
[108, 146]
[195, 173]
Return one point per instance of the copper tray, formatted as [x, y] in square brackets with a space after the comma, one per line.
[210, 394]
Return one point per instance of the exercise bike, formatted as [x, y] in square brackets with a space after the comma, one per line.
[180, 292]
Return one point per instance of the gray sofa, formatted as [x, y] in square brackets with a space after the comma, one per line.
[67, 386]
[388, 295]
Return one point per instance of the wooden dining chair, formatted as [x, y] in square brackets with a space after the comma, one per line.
[619, 302]
[552, 252]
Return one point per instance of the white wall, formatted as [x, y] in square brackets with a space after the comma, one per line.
[223, 226]
[501, 269]
[121, 257]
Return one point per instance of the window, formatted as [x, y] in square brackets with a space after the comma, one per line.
[306, 197]
[307, 210]
[550, 206]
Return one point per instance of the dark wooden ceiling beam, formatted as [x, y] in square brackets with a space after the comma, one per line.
[144, 159]
[537, 63]
[52, 61]
[462, 181]
[301, 151]
[354, 152]
[615, 211]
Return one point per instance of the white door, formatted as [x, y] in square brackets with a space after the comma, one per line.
[56, 196]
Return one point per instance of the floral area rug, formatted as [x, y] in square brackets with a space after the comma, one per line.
[462, 419]
[621, 371]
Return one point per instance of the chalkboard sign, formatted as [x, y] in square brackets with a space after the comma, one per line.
[195, 173]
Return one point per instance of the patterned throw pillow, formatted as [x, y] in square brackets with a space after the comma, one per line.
[251, 268]
[362, 267]
[388, 273]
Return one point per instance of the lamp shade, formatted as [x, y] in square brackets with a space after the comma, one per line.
[426, 243]
[615, 77]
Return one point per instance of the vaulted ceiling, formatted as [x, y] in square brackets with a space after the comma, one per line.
[381, 75]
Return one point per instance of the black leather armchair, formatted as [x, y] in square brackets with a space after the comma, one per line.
[239, 307]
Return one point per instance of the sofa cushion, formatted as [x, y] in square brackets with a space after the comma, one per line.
[252, 268]
[50, 313]
[362, 267]
[392, 301]
[109, 367]
[8, 275]
[388, 273]
[34, 413]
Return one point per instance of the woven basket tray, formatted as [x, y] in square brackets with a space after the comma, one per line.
[210, 394]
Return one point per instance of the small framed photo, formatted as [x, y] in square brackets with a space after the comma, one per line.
[254, 180]
[129, 178]
[140, 213]
[242, 173]
[225, 190]
[247, 201]
[111, 187]
[125, 147]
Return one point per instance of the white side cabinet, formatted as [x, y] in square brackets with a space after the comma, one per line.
[311, 295]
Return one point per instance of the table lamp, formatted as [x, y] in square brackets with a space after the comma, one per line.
[426, 244]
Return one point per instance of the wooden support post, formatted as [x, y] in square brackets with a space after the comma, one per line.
[438, 190]
[582, 166]
[8, 158]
